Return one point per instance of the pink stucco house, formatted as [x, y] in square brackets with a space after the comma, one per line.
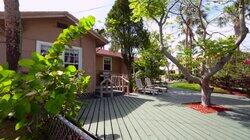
[40, 29]
[109, 61]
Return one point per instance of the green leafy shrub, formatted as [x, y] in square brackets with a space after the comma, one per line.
[194, 87]
[235, 75]
[240, 84]
[174, 76]
[150, 61]
[48, 88]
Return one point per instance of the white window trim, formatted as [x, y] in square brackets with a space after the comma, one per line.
[40, 43]
[110, 62]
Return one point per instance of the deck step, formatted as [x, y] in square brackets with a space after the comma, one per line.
[105, 94]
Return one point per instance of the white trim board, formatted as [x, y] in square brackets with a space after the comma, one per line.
[40, 43]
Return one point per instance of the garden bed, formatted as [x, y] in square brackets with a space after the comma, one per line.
[206, 110]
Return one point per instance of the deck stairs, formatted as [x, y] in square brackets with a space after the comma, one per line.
[115, 85]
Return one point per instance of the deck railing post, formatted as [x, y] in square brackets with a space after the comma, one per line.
[112, 95]
[122, 84]
[101, 92]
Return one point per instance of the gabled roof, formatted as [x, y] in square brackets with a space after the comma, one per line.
[102, 52]
[59, 14]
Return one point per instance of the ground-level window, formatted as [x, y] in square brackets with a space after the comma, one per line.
[107, 63]
[71, 56]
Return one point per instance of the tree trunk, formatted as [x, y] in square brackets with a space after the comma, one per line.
[206, 92]
[12, 20]
[130, 77]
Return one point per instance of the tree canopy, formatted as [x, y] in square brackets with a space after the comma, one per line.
[125, 34]
[212, 53]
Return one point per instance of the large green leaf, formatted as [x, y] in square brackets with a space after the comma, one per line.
[1, 68]
[71, 68]
[7, 73]
[34, 108]
[53, 106]
[5, 86]
[87, 23]
[37, 56]
[5, 109]
[26, 63]
[22, 108]
[6, 97]
[19, 125]
[17, 96]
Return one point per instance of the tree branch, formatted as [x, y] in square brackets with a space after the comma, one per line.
[168, 11]
[243, 33]
[184, 70]
[216, 33]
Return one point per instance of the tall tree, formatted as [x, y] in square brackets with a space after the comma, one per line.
[150, 61]
[125, 33]
[12, 20]
[214, 53]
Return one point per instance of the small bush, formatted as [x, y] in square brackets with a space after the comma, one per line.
[176, 76]
[241, 84]
[194, 87]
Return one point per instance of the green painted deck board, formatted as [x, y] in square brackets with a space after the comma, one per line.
[94, 121]
[90, 116]
[100, 129]
[155, 126]
[135, 120]
[86, 115]
[139, 118]
[114, 122]
[147, 117]
[204, 124]
[127, 120]
[107, 123]
[175, 132]
[123, 127]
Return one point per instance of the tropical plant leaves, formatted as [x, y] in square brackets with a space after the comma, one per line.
[26, 63]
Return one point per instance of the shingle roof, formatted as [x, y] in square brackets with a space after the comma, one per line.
[103, 52]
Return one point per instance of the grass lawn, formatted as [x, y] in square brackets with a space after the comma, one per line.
[195, 87]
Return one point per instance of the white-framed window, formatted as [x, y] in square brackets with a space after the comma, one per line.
[107, 63]
[71, 55]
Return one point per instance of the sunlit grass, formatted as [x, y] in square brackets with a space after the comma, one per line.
[194, 87]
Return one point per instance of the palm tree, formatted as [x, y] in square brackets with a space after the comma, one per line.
[12, 20]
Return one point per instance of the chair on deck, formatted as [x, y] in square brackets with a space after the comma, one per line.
[150, 85]
[143, 89]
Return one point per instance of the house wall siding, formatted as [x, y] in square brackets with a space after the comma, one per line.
[46, 30]
[118, 67]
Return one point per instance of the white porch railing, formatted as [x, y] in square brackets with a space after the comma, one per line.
[120, 83]
[115, 82]
[107, 87]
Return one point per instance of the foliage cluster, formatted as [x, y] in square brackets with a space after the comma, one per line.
[205, 53]
[150, 61]
[174, 76]
[194, 87]
[46, 86]
[235, 74]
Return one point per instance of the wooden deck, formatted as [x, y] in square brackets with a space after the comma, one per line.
[161, 117]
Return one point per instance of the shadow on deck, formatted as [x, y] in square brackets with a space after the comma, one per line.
[138, 116]
[106, 117]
